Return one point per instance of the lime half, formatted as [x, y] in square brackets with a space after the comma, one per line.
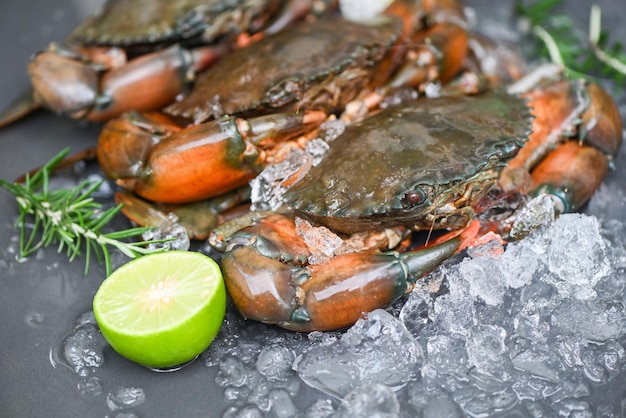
[162, 310]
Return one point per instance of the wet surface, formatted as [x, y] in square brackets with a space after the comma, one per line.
[43, 301]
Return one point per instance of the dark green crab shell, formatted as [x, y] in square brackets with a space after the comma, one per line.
[128, 23]
[423, 164]
[321, 64]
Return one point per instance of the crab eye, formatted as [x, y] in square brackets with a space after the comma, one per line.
[417, 196]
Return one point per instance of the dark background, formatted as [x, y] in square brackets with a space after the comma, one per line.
[55, 291]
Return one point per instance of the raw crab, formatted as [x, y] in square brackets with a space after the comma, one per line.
[426, 164]
[419, 164]
[142, 54]
[302, 73]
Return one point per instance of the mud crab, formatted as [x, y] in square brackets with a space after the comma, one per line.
[151, 47]
[430, 163]
[327, 70]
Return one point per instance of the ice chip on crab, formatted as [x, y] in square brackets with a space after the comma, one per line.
[377, 349]
[537, 213]
[169, 229]
[270, 185]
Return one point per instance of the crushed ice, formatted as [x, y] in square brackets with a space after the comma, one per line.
[171, 230]
[270, 185]
[125, 398]
[355, 359]
[539, 330]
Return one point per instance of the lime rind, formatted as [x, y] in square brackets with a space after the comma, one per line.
[162, 310]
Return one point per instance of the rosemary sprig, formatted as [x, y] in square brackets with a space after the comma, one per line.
[580, 54]
[69, 218]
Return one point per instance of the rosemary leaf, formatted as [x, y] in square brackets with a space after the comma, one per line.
[71, 219]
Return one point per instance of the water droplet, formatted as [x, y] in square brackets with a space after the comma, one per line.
[35, 319]
[125, 397]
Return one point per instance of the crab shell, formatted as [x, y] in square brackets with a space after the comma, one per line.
[135, 23]
[307, 66]
[424, 164]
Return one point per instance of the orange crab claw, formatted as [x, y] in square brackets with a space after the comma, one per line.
[266, 273]
[82, 89]
[571, 174]
[162, 163]
[577, 131]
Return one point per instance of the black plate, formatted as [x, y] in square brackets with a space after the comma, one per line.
[41, 299]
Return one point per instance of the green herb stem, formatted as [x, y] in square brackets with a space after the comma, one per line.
[580, 56]
[70, 218]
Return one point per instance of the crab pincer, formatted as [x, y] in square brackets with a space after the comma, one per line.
[577, 133]
[270, 280]
[161, 163]
[143, 54]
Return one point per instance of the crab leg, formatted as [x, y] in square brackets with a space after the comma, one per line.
[198, 218]
[293, 11]
[267, 277]
[436, 48]
[165, 164]
[570, 174]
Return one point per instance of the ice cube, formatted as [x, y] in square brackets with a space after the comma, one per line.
[484, 278]
[169, 229]
[535, 359]
[372, 400]
[282, 405]
[414, 313]
[447, 355]
[454, 314]
[485, 346]
[595, 319]
[576, 257]
[377, 349]
[125, 398]
[319, 409]
[82, 349]
[275, 362]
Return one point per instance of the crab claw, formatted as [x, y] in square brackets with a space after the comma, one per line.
[267, 276]
[163, 163]
[103, 85]
[75, 85]
[577, 132]
[198, 218]
[573, 171]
